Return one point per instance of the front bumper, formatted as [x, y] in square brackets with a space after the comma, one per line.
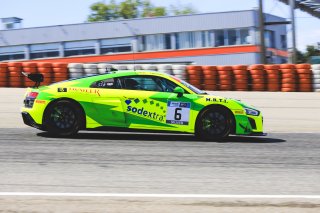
[28, 120]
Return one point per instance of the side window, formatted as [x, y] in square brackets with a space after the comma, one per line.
[146, 83]
[166, 85]
[109, 83]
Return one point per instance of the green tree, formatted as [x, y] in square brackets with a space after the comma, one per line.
[128, 9]
[182, 10]
[104, 12]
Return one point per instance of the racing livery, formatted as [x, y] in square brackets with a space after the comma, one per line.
[137, 100]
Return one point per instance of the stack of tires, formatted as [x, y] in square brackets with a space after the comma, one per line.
[14, 75]
[46, 70]
[103, 68]
[29, 67]
[195, 75]
[257, 77]
[288, 78]
[241, 77]
[60, 72]
[273, 77]
[316, 77]
[150, 67]
[180, 71]
[304, 75]
[225, 82]
[3, 74]
[165, 68]
[134, 67]
[120, 67]
[90, 69]
[75, 70]
[210, 78]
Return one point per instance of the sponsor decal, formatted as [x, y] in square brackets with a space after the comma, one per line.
[178, 112]
[142, 111]
[86, 90]
[239, 112]
[62, 89]
[221, 100]
[40, 101]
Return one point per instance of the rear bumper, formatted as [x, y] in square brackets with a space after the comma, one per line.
[28, 120]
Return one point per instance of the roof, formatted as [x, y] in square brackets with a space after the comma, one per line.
[310, 6]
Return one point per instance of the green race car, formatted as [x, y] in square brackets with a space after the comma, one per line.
[136, 100]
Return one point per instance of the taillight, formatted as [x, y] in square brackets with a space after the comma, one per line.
[32, 95]
[29, 101]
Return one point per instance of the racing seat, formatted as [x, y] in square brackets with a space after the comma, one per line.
[131, 84]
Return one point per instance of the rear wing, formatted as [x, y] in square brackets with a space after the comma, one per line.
[35, 77]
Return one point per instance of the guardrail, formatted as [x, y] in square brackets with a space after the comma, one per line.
[256, 77]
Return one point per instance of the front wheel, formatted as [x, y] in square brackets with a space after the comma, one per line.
[62, 118]
[213, 124]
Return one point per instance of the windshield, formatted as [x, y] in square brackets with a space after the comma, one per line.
[189, 86]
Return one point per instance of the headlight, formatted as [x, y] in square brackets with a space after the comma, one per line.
[252, 112]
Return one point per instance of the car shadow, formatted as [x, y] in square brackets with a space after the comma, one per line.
[161, 137]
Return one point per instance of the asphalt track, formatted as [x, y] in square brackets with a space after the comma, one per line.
[286, 164]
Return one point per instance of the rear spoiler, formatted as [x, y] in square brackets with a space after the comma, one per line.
[35, 77]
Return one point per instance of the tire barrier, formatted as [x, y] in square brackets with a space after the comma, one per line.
[316, 77]
[14, 74]
[165, 68]
[75, 70]
[288, 78]
[272, 77]
[304, 77]
[225, 80]
[195, 75]
[180, 71]
[241, 77]
[210, 77]
[102, 68]
[29, 67]
[46, 70]
[3, 75]
[257, 77]
[60, 72]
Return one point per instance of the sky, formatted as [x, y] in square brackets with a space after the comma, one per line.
[36, 13]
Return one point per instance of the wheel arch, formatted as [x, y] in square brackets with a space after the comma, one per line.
[218, 106]
[83, 114]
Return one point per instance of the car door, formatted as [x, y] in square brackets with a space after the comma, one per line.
[107, 108]
[146, 105]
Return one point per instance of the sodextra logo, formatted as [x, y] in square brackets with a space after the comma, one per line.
[143, 112]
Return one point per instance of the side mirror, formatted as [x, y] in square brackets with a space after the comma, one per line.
[179, 91]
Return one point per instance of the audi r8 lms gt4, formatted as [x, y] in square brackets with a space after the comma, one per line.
[136, 100]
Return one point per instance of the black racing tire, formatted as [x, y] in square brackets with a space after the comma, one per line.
[63, 118]
[213, 124]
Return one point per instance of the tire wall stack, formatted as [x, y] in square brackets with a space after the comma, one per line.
[256, 77]
[60, 72]
[14, 74]
[288, 78]
[180, 71]
[195, 75]
[241, 77]
[225, 78]
[3, 75]
[210, 77]
[304, 77]
[273, 77]
[316, 77]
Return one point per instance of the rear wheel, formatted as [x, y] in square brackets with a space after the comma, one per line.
[213, 124]
[63, 118]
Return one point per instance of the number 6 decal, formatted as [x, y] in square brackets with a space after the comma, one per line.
[177, 115]
[178, 112]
